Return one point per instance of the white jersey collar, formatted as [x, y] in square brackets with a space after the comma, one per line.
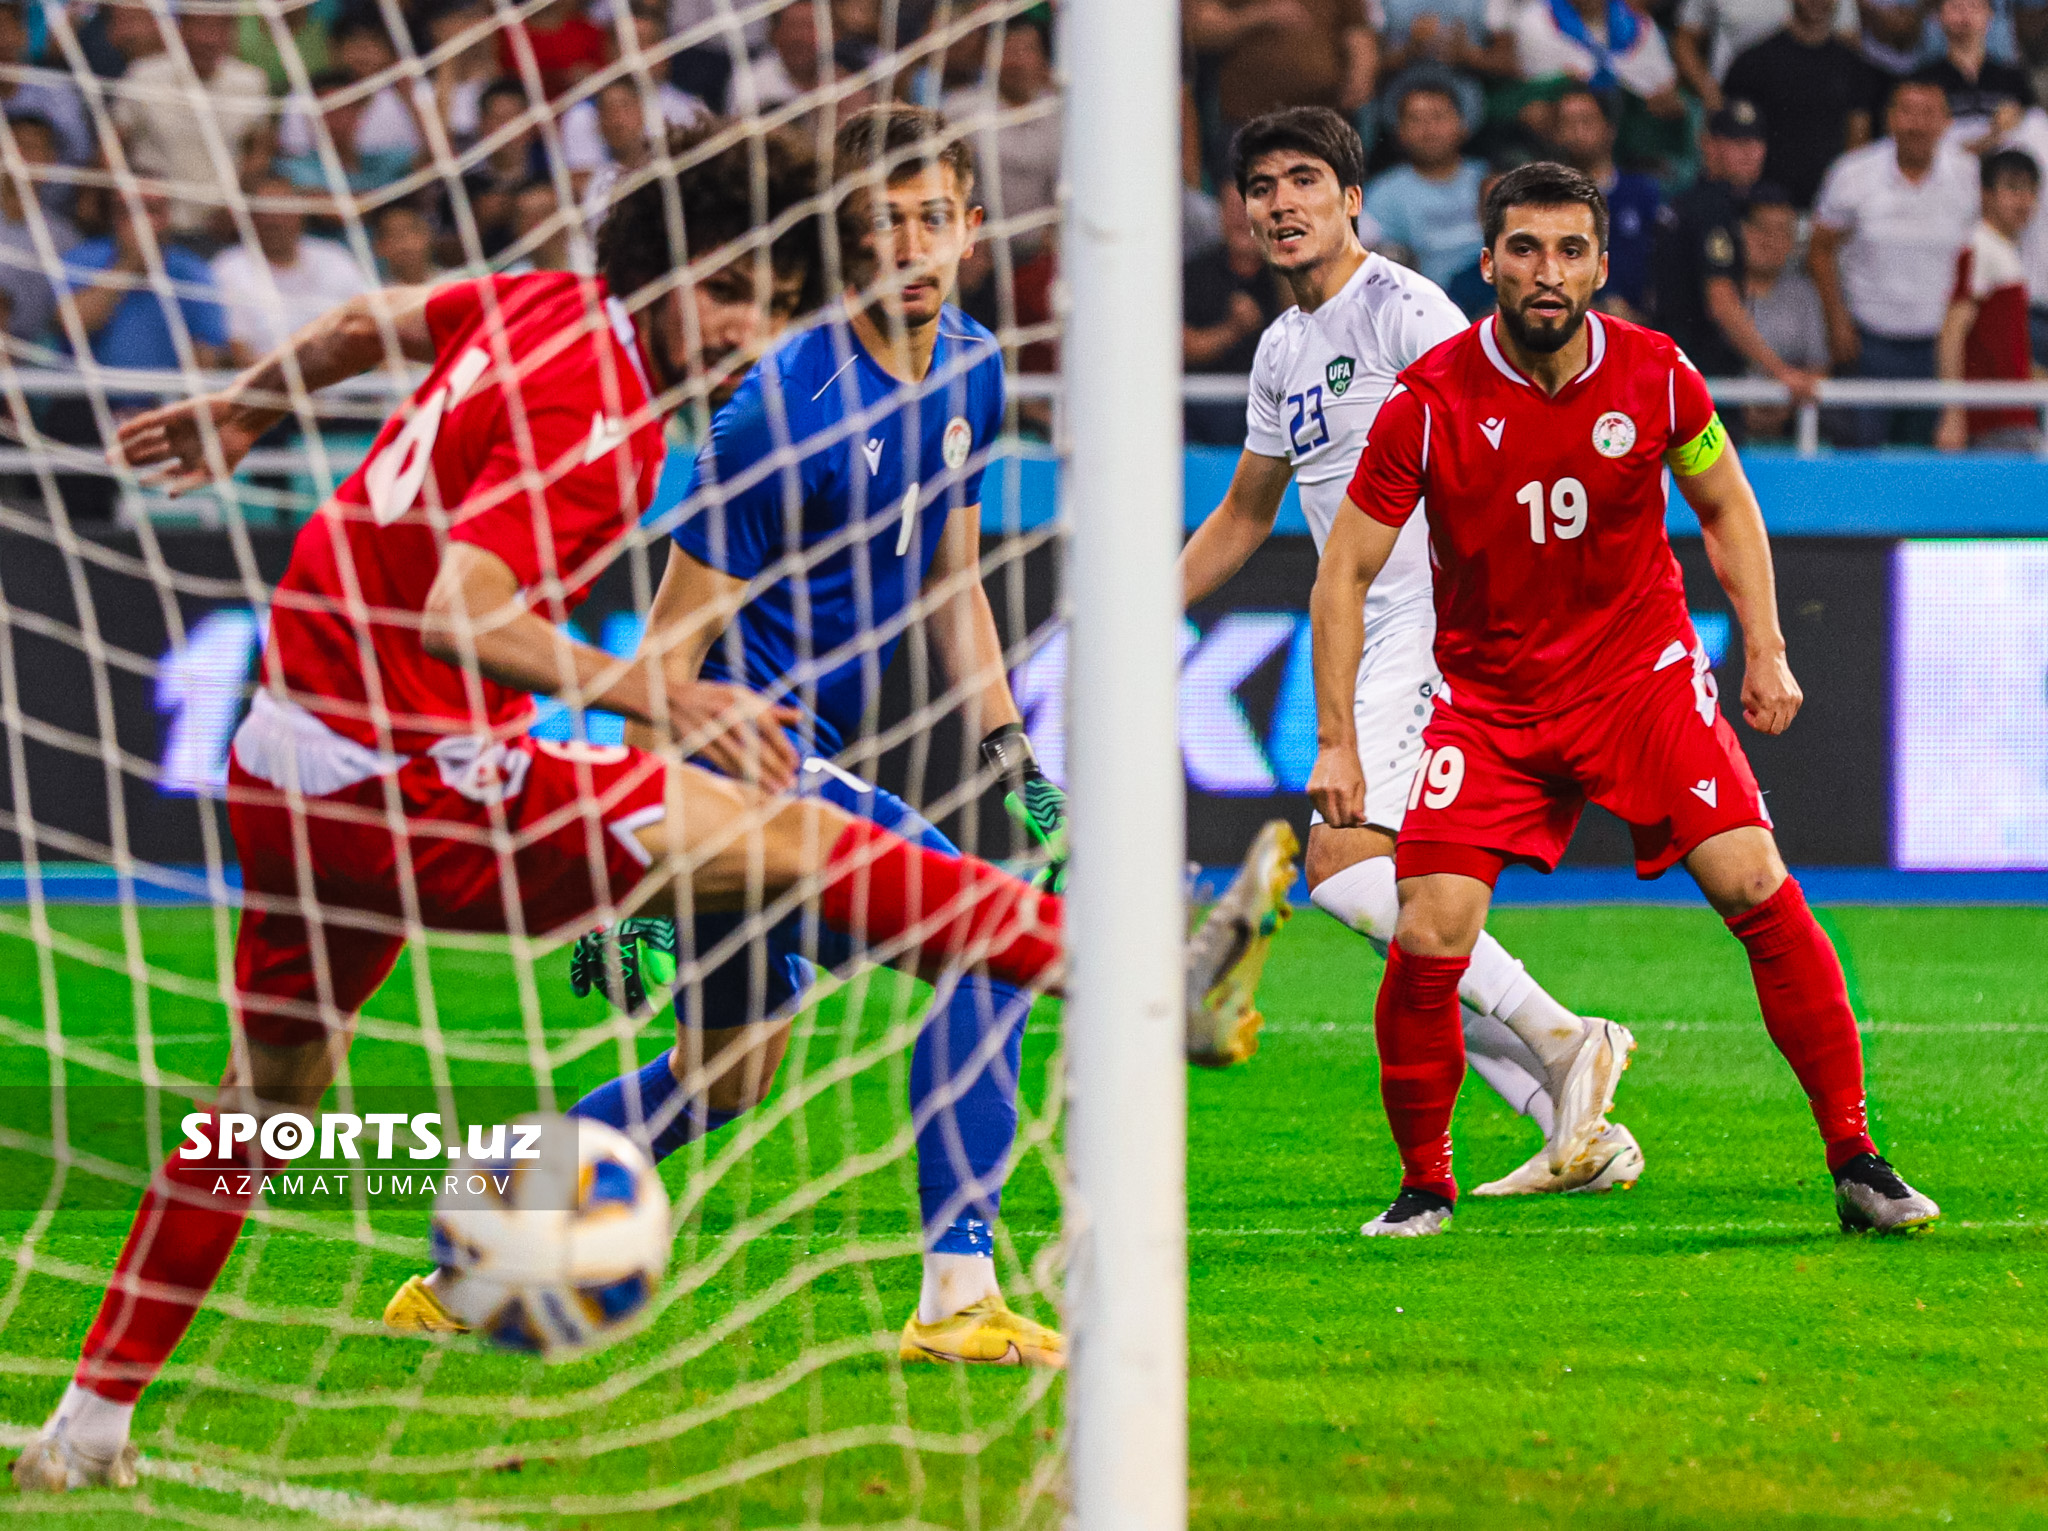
[1596, 331]
[629, 341]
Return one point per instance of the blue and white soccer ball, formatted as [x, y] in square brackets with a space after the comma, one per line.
[555, 1256]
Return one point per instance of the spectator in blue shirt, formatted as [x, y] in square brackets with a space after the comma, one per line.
[1428, 208]
[128, 325]
[1585, 141]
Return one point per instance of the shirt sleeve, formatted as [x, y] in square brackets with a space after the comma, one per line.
[545, 511]
[1414, 328]
[735, 521]
[1263, 434]
[987, 427]
[450, 307]
[1835, 207]
[1961, 292]
[1692, 407]
[1387, 484]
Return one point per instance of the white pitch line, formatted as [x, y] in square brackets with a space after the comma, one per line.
[335, 1506]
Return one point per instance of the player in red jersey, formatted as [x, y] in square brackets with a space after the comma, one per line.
[1535, 444]
[384, 783]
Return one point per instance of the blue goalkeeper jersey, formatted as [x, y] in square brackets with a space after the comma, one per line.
[827, 484]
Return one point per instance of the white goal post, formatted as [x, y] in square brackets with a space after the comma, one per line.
[1126, 1130]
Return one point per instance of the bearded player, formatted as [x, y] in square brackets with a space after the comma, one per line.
[384, 781]
[1322, 371]
[1535, 446]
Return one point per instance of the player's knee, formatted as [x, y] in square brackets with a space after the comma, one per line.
[1438, 927]
[1362, 895]
[1738, 871]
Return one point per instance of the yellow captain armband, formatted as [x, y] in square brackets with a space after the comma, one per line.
[1700, 453]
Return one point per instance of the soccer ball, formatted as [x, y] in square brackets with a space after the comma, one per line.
[557, 1255]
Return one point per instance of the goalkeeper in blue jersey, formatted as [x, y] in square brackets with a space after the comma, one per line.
[838, 500]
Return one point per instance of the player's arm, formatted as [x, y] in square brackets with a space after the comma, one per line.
[476, 614]
[1358, 548]
[345, 342]
[1953, 433]
[1710, 476]
[1232, 532]
[962, 629]
[734, 729]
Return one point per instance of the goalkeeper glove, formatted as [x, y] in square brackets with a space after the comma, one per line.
[1034, 800]
[646, 955]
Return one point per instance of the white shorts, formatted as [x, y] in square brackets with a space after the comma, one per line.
[1397, 689]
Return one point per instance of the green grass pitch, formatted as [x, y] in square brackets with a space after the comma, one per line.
[1706, 1350]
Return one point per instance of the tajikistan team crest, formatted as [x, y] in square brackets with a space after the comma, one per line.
[1338, 375]
[1614, 434]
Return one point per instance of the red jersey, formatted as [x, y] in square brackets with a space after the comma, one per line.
[1553, 577]
[531, 438]
[1990, 273]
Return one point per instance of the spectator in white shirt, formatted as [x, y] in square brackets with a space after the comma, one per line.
[1605, 44]
[586, 147]
[403, 238]
[1886, 228]
[387, 130]
[795, 63]
[1020, 161]
[169, 139]
[287, 281]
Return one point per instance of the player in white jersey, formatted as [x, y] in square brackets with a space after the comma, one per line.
[1322, 371]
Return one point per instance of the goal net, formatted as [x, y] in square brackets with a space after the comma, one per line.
[184, 186]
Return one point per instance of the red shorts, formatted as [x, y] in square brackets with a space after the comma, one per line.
[526, 838]
[1656, 753]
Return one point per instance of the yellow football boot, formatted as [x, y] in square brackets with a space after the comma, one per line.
[985, 1333]
[1228, 953]
[414, 1309]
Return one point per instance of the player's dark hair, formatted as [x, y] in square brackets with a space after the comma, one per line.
[1312, 130]
[2013, 164]
[720, 196]
[896, 141]
[1543, 184]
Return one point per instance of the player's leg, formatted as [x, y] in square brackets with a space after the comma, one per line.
[1667, 762]
[1421, 1039]
[1534, 1051]
[1804, 996]
[193, 1211]
[918, 908]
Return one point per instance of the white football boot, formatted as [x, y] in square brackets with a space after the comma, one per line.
[50, 1464]
[1613, 1161]
[1415, 1214]
[1587, 1093]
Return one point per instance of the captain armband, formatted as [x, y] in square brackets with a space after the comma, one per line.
[1700, 453]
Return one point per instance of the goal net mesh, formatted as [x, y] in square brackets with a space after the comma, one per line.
[166, 245]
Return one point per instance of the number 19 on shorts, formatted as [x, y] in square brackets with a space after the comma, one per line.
[1438, 776]
[1567, 518]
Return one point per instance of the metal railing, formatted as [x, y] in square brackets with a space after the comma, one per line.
[364, 401]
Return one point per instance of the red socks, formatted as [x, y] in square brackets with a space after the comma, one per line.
[175, 1251]
[1805, 1001]
[1422, 1062]
[880, 888]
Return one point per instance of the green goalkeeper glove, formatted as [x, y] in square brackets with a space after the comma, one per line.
[1034, 800]
[646, 951]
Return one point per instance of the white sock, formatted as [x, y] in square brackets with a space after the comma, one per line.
[1364, 896]
[1496, 984]
[953, 1282]
[1504, 1061]
[91, 1425]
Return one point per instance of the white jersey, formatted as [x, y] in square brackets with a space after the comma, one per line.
[1316, 387]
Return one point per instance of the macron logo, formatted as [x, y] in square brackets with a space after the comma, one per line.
[605, 436]
[872, 451]
[1707, 790]
[1491, 430]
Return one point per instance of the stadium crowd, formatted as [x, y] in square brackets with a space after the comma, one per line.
[1800, 188]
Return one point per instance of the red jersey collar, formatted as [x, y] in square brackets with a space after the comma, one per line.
[1596, 330]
